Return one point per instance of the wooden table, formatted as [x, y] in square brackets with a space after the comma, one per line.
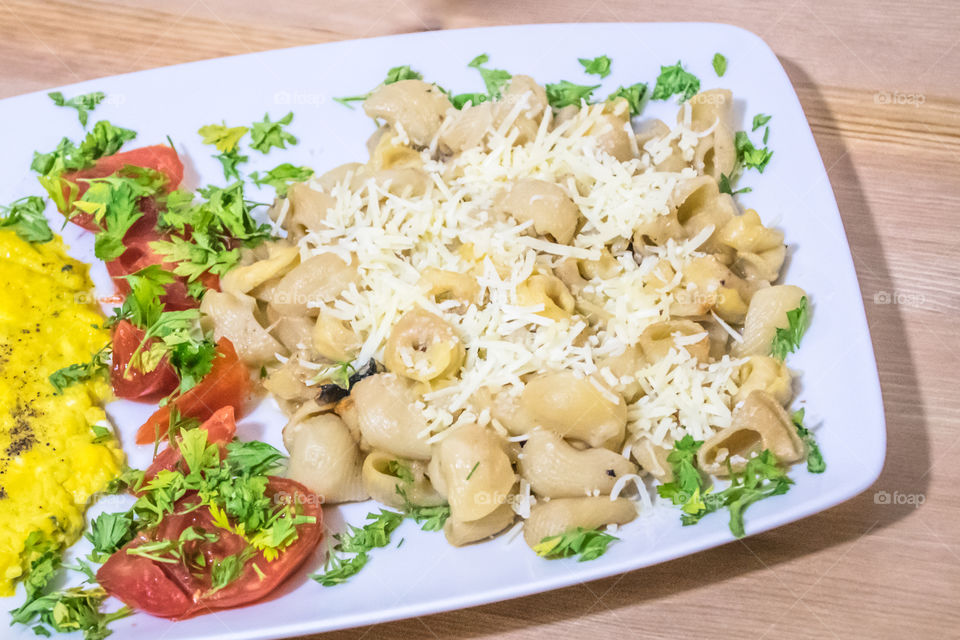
[880, 84]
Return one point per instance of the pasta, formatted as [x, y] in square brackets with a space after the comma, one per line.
[554, 298]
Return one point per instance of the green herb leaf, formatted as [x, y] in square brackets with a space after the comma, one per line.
[564, 94]
[788, 340]
[400, 469]
[229, 161]
[748, 155]
[268, 134]
[725, 187]
[253, 458]
[339, 570]
[83, 103]
[25, 218]
[815, 462]
[461, 100]
[589, 544]
[429, 518]
[70, 375]
[69, 610]
[493, 79]
[223, 137]
[759, 120]
[719, 64]
[674, 80]
[402, 72]
[281, 177]
[599, 66]
[108, 532]
[225, 570]
[372, 535]
[633, 95]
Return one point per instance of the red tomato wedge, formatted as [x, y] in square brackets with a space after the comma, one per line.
[172, 590]
[158, 157]
[221, 427]
[227, 384]
[134, 384]
[177, 591]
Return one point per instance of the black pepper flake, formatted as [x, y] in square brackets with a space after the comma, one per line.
[66, 267]
[611, 473]
[3, 493]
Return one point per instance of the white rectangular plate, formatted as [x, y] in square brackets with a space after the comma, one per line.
[840, 388]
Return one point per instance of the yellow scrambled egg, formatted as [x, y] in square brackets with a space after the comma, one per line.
[49, 465]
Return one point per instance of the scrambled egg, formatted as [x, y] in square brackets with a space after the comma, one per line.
[50, 468]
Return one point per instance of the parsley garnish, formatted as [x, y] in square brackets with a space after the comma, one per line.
[281, 177]
[104, 140]
[395, 74]
[564, 93]
[493, 79]
[815, 462]
[69, 610]
[108, 532]
[719, 64]
[358, 540]
[82, 103]
[268, 134]
[674, 80]
[761, 478]
[70, 375]
[748, 155]
[759, 120]
[599, 66]
[229, 161]
[788, 340]
[25, 218]
[224, 138]
[223, 571]
[725, 187]
[633, 95]
[429, 518]
[460, 100]
[472, 470]
[589, 544]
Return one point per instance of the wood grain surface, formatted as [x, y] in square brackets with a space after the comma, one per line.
[880, 83]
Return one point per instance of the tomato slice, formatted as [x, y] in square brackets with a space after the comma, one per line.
[176, 591]
[158, 157]
[132, 383]
[227, 384]
[221, 427]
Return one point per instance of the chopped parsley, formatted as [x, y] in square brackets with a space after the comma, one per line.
[599, 66]
[268, 134]
[360, 541]
[719, 64]
[726, 187]
[493, 79]
[633, 95]
[224, 138]
[281, 177]
[70, 375]
[788, 340]
[105, 139]
[74, 609]
[815, 462]
[748, 155]
[674, 80]
[429, 518]
[395, 74]
[759, 120]
[108, 532]
[25, 218]
[229, 161]
[761, 478]
[564, 93]
[84, 104]
[461, 100]
[588, 544]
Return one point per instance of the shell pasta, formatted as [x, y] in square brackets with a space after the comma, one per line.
[546, 302]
